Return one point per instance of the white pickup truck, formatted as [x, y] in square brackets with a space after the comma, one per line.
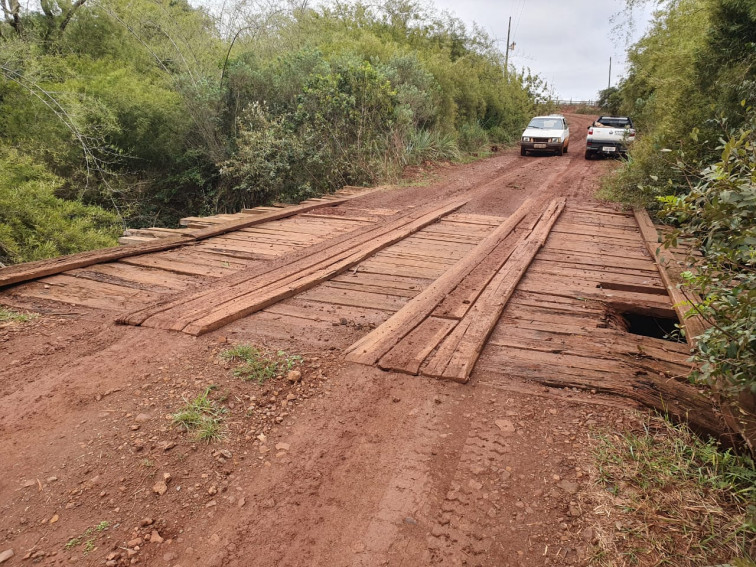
[609, 135]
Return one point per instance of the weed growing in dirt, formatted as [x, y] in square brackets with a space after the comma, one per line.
[259, 365]
[203, 417]
[88, 538]
[673, 500]
[10, 316]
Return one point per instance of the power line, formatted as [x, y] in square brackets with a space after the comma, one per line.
[519, 19]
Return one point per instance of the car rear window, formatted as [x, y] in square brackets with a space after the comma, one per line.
[614, 121]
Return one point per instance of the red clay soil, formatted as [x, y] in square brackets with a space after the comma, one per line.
[349, 466]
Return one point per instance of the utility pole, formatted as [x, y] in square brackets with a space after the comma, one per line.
[506, 51]
[610, 74]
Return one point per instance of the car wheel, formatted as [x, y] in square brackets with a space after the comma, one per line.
[567, 147]
[560, 151]
[588, 155]
[523, 152]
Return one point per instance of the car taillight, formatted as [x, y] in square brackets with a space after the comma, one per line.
[590, 131]
[632, 131]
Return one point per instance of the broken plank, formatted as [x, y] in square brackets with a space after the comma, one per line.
[411, 351]
[178, 267]
[139, 275]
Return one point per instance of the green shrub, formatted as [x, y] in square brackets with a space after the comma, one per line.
[35, 224]
[718, 217]
[472, 137]
[426, 145]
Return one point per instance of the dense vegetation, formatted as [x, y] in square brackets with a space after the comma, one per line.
[691, 90]
[139, 112]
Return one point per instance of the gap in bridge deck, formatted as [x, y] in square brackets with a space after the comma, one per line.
[655, 327]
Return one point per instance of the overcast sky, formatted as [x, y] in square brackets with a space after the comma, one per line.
[567, 42]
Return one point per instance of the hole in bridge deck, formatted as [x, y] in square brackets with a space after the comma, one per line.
[655, 327]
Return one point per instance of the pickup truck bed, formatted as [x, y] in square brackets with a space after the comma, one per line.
[609, 135]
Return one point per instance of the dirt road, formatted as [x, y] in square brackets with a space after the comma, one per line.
[349, 466]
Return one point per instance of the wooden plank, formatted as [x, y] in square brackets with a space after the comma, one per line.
[355, 220]
[588, 259]
[458, 301]
[234, 252]
[556, 265]
[371, 266]
[194, 255]
[411, 351]
[598, 210]
[453, 238]
[563, 242]
[361, 287]
[457, 355]
[178, 267]
[355, 317]
[595, 230]
[635, 243]
[139, 275]
[556, 303]
[354, 298]
[595, 277]
[80, 291]
[386, 257]
[397, 282]
[544, 314]
[683, 298]
[34, 270]
[208, 232]
[622, 301]
[492, 221]
[98, 276]
[280, 238]
[603, 344]
[374, 346]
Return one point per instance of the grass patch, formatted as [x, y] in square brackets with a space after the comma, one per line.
[258, 365]
[203, 417]
[10, 316]
[671, 499]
